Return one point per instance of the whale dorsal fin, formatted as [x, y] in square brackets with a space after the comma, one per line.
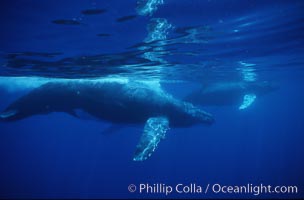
[248, 99]
[155, 129]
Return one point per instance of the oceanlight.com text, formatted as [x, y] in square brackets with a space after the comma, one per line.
[216, 188]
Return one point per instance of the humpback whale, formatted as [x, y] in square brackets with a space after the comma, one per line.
[120, 103]
[240, 93]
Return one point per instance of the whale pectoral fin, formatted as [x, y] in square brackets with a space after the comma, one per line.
[248, 99]
[155, 129]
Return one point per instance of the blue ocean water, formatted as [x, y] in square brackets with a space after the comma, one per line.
[183, 46]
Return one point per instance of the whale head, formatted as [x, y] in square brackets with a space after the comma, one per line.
[201, 117]
[188, 115]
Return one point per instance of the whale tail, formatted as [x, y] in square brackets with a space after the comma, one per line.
[8, 115]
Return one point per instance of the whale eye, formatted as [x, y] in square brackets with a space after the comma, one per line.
[8, 114]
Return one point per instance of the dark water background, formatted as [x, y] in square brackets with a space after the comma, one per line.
[58, 156]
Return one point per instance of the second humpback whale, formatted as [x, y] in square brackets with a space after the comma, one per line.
[122, 103]
[240, 93]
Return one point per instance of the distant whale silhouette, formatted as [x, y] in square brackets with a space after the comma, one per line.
[66, 22]
[121, 103]
[93, 11]
[231, 93]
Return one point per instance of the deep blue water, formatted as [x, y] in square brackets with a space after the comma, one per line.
[183, 45]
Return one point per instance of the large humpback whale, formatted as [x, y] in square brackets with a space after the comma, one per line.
[240, 93]
[122, 103]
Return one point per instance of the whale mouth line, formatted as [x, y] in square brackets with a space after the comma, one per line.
[7, 114]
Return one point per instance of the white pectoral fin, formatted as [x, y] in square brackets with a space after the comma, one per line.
[248, 99]
[155, 129]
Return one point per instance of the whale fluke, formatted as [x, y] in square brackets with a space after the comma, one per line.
[7, 114]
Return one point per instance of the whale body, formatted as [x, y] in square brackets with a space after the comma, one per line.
[119, 103]
[240, 93]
